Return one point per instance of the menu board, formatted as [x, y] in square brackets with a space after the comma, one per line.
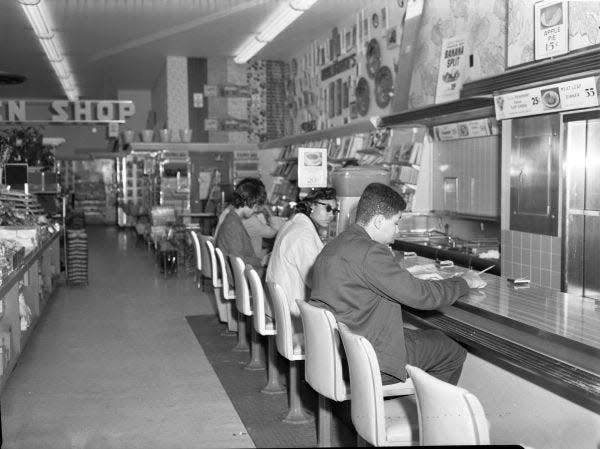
[452, 71]
[551, 28]
[565, 96]
[464, 130]
[312, 167]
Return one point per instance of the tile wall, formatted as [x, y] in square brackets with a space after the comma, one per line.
[533, 256]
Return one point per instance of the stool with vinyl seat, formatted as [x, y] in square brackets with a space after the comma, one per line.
[244, 307]
[381, 423]
[228, 294]
[205, 267]
[217, 282]
[323, 369]
[290, 345]
[198, 257]
[448, 415]
[265, 326]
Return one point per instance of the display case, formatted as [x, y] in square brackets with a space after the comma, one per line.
[174, 178]
[137, 186]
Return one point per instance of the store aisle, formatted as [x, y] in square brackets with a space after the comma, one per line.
[115, 364]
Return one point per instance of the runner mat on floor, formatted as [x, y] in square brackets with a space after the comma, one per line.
[261, 414]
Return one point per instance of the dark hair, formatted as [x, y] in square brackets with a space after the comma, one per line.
[378, 199]
[249, 192]
[305, 205]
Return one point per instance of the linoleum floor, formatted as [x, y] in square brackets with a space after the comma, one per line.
[114, 364]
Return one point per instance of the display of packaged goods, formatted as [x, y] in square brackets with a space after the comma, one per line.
[26, 236]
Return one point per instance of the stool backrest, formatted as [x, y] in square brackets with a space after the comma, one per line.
[216, 279]
[323, 367]
[283, 320]
[242, 292]
[259, 309]
[196, 249]
[367, 411]
[448, 414]
[207, 269]
[228, 293]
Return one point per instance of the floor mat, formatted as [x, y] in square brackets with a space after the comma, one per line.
[261, 414]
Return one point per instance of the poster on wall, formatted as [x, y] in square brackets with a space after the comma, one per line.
[312, 167]
[453, 67]
[551, 28]
[575, 94]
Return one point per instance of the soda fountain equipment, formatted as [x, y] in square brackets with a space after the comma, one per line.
[349, 183]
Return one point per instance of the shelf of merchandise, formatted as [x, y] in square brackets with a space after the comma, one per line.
[35, 279]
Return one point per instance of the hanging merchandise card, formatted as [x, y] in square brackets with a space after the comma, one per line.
[551, 28]
[574, 94]
[312, 167]
[452, 71]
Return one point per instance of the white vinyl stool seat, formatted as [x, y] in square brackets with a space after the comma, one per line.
[291, 346]
[264, 325]
[392, 422]
[197, 253]
[228, 293]
[244, 307]
[217, 282]
[448, 415]
[324, 370]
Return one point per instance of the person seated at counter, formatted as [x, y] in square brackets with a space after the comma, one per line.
[358, 280]
[298, 243]
[259, 227]
[232, 237]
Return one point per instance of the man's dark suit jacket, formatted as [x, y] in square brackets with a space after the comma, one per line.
[359, 281]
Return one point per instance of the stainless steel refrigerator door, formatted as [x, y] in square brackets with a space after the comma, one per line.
[582, 245]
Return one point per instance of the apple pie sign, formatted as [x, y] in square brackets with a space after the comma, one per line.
[575, 94]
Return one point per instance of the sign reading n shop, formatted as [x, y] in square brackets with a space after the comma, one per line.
[64, 111]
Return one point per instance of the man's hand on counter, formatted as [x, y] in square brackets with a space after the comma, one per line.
[473, 279]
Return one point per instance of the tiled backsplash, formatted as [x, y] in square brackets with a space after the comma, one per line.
[533, 256]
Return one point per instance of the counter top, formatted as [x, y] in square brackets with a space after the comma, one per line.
[553, 336]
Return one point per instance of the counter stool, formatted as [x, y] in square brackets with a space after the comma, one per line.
[244, 308]
[206, 262]
[198, 255]
[323, 369]
[217, 282]
[167, 257]
[291, 346]
[381, 423]
[265, 326]
[448, 415]
[228, 293]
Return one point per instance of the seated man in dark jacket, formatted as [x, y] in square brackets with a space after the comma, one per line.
[356, 277]
[232, 237]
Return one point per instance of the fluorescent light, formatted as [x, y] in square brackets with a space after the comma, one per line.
[38, 18]
[49, 46]
[278, 21]
[42, 26]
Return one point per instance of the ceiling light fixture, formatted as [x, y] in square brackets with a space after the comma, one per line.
[274, 24]
[42, 26]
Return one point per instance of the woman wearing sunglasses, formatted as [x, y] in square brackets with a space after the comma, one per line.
[297, 245]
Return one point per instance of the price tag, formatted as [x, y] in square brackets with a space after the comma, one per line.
[576, 94]
[312, 167]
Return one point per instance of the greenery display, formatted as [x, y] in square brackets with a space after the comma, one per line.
[25, 144]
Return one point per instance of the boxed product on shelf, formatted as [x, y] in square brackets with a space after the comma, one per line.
[25, 236]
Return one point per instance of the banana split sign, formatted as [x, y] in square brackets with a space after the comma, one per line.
[64, 111]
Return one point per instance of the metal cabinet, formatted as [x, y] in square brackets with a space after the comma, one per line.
[534, 174]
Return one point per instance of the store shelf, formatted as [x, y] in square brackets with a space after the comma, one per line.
[361, 126]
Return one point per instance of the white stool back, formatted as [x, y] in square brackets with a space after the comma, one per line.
[197, 250]
[228, 292]
[323, 366]
[263, 324]
[393, 423]
[207, 269]
[289, 345]
[242, 292]
[448, 415]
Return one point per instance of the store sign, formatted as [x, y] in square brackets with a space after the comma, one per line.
[551, 28]
[452, 71]
[464, 130]
[312, 167]
[64, 111]
[574, 94]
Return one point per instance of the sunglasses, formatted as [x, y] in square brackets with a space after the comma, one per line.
[328, 207]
